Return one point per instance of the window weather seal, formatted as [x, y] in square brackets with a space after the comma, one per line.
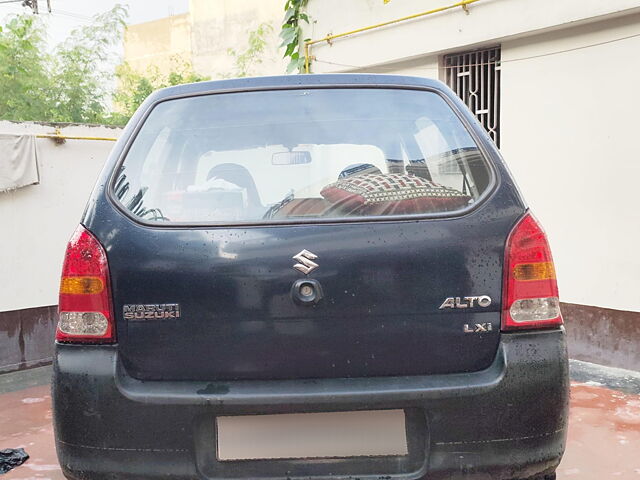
[494, 180]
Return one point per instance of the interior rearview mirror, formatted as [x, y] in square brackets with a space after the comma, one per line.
[297, 157]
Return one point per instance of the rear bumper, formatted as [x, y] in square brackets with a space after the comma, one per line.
[507, 421]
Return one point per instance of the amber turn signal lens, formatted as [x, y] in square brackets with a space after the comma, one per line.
[81, 285]
[534, 271]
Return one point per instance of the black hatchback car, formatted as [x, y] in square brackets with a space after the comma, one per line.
[323, 276]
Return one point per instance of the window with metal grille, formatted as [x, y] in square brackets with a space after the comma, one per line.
[475, 77]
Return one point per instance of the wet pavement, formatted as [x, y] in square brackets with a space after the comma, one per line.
[603, 443]
[25, 421]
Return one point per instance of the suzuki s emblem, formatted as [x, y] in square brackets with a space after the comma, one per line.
[306, 262]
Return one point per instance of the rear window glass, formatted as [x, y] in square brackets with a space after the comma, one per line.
[300, 155]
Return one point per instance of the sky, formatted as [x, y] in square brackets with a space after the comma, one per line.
[69, 14]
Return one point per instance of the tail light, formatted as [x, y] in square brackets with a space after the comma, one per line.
[84, 308]
[530, 293]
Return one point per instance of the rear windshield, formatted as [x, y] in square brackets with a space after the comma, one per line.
[300, 155]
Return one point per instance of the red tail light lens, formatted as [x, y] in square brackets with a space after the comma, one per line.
[530, 293]
[84, 309]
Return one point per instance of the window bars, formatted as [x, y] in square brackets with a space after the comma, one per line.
[475, 77]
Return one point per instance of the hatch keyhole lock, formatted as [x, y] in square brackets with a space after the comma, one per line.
[306, 292]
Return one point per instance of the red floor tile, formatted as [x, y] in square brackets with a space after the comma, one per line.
[25, 421]
[604, 435]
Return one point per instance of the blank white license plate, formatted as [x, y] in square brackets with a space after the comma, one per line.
[312, 435]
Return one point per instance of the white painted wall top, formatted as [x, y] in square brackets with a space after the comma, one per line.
[488, 21]
[38, 220]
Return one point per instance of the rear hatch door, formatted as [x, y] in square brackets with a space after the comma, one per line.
[383, 199]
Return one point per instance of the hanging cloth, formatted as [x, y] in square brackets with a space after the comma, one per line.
[18, 161]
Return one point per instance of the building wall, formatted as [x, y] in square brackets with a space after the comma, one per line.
[486, 22]
[37, 222]
[219, 25]
[158, 42]
[569, 134]
[204, 36]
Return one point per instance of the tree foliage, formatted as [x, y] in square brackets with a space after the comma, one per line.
[25, 88]
[246, 60]
[68, 84]
[134, 87]
[75, 81]
[81, 69]
[291, 34]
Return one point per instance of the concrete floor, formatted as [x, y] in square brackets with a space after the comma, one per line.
[604, 433]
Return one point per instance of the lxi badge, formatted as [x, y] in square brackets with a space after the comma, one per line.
[470, 302]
